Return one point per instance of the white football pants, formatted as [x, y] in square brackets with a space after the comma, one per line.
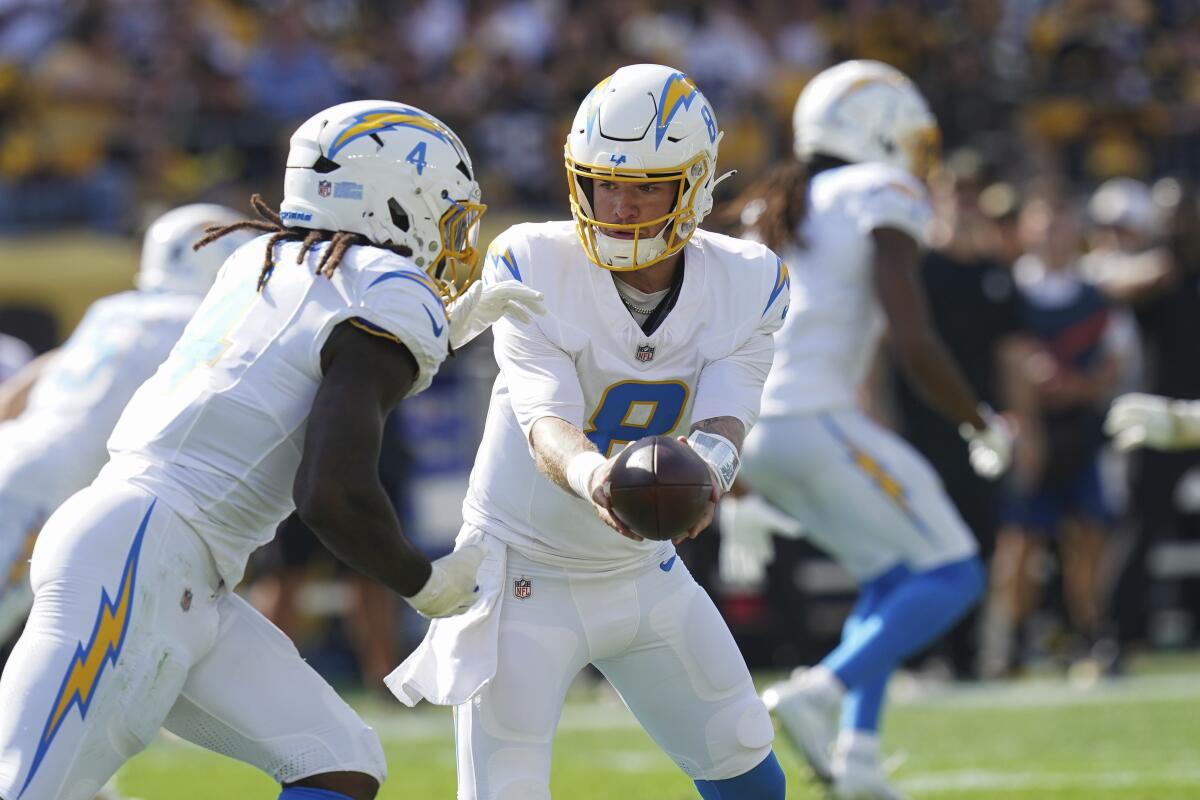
[655, 635]
[132, 629]
[865, 496]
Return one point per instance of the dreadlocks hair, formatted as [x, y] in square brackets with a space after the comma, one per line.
[773, 207]
[271, 223]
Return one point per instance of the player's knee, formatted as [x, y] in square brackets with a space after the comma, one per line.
[764, 782]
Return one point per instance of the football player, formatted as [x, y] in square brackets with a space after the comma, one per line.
[273, 399]
[850, 216]
[56, 446]
[653, 327]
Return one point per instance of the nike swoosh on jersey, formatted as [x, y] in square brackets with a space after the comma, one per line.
[665, 566]
[437, 329]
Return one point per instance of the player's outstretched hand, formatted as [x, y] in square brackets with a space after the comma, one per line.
[1142, 420]
[474, 312]
[452, 586]
[990, 449]
[748, 524]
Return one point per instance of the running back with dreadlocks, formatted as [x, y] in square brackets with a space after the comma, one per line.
[270, 222]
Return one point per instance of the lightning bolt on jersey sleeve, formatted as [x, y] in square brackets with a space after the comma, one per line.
[393, 299]
[732, 386]
[892, 198]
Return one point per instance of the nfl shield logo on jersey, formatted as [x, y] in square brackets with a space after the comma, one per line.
[324, 188]
[645, 352]
[522, 588]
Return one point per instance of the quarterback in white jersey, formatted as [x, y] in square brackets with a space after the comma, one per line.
[852, 214]
[272, 400]
[57, 445]
[652, 327]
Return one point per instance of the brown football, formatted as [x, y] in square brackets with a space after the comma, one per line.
[659, 487]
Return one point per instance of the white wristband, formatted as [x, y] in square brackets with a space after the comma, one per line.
[720, 454]
[580, 469]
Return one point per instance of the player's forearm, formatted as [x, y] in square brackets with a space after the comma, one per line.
[731, 428]
[359, 526]
[931, 371]
[555, 442]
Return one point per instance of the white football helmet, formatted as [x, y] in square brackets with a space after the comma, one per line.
[645, 123]
[394, 174]
[866, 111]
[169, 264]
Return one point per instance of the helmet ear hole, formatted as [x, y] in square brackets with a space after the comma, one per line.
[323, 166]
[399, 215]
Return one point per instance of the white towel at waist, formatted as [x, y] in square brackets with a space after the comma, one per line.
[457, 657]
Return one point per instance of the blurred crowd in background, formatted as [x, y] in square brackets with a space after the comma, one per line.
[1071, 133]
[109, 104]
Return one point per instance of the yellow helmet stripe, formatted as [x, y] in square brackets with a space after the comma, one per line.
[678, 91]
[385, 119]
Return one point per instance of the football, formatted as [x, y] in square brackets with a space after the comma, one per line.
[659, 487]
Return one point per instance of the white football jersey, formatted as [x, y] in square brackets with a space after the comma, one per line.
[56, 447]
[825, 348]
[218, 432]
[588, 362]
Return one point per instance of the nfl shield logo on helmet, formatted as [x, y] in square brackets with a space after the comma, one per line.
[645, 352]
[522, 588]
[324, 188]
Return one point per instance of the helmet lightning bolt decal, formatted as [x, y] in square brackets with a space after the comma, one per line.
[593, 104]
[678, 91]
[87, 666]
[386, 119]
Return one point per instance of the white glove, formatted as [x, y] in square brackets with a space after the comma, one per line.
[990, 449]
[747, 524]
[1148, 420]
[451, 588]
[476, 309]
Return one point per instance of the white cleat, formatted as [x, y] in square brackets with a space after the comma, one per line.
[858, 772]
[807, 706]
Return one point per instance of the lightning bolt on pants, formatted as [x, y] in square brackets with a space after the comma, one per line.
[91, 678]
[132, 630]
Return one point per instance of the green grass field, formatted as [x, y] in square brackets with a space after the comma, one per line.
[1138, 737]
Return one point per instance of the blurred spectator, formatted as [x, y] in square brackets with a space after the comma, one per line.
[182, 98]
[290, 76]
[1083, 345]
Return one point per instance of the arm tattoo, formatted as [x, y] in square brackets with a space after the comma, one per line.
[555, 442]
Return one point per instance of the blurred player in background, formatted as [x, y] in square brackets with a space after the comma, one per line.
[851, 215]
[57, 445]
[651, 324]
[273, 399]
